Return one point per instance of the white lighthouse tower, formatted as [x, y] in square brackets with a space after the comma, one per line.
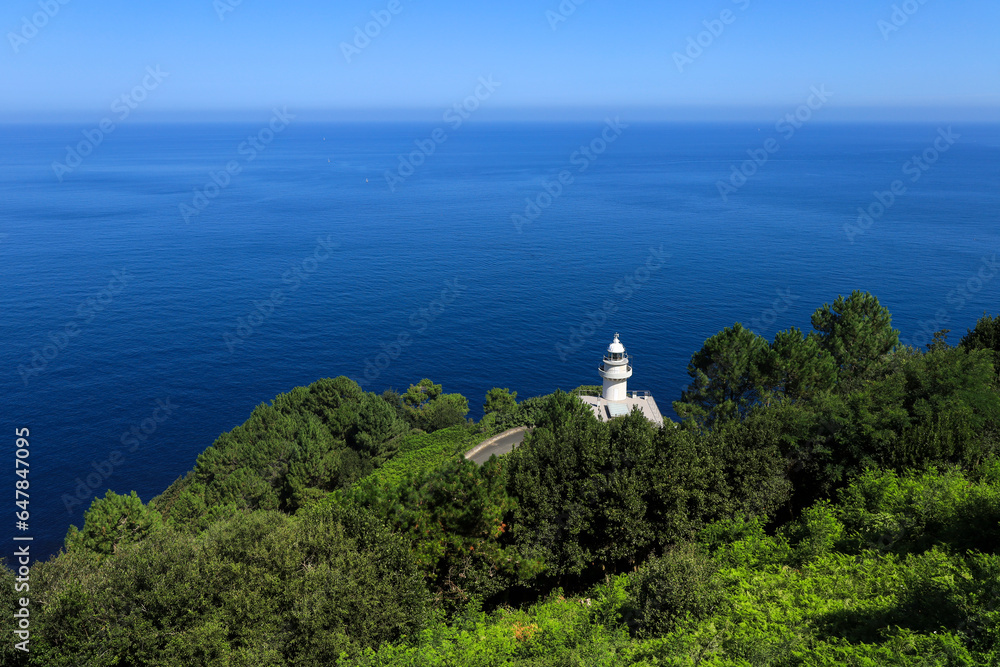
[615, 371]
[615, 399]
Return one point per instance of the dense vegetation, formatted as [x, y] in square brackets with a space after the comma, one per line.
[829, 498]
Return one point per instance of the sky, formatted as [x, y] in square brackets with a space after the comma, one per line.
[700, 59]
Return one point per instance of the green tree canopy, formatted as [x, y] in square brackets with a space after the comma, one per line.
[257, 588]
[422, 392]
[502, 401]
[857, 331]
[985, 336]
[798, 367]
[113, 521]
[307, 442]
[430, 410]
[594, 497]
[501, 407]
[727, 376]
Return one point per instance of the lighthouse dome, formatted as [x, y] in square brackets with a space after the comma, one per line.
[616, 347]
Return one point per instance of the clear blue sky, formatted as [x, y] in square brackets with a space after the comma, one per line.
[945, 60]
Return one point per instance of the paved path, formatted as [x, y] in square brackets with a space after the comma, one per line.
[498, 444]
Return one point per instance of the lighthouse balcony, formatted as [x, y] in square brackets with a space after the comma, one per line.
[614, 372]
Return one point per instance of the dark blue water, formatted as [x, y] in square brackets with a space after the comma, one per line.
[435, 276]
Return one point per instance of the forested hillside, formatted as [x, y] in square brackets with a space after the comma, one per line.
[829, 498]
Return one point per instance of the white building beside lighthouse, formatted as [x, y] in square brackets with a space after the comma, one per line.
[615, 399]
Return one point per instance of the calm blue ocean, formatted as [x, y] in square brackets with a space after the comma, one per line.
[306, 264]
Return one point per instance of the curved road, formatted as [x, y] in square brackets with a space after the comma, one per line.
[499, 445]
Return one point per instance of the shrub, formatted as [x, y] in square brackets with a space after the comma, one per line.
[679, 584]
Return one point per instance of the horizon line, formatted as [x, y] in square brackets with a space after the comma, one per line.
[638, 114]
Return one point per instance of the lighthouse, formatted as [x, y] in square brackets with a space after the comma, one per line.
[615, 371]
[615, 399]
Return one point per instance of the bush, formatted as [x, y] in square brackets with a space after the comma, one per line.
[557, 632]
[912, 512]
[678, 585]
[817, 532]
[259, 588]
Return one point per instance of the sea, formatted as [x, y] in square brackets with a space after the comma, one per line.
[161, 280]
